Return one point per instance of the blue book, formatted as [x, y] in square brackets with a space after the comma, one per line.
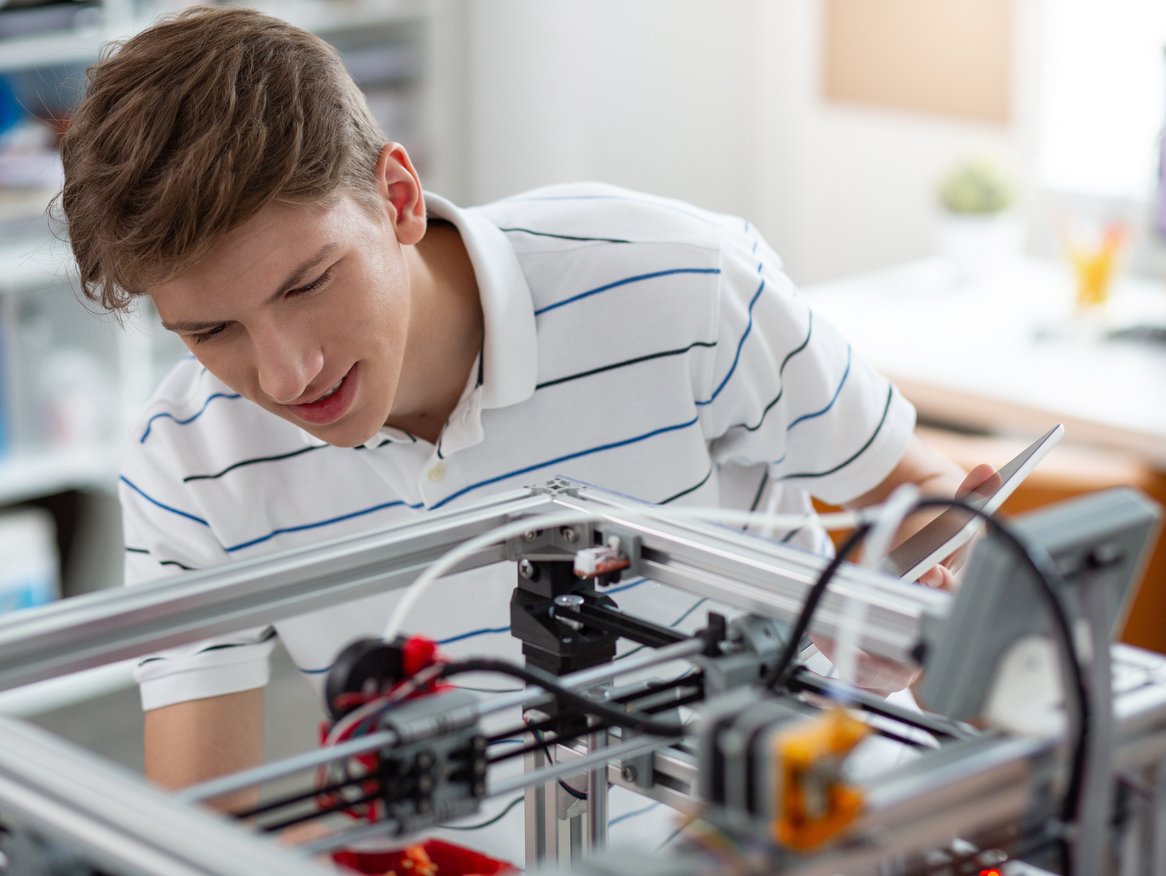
[4, 412]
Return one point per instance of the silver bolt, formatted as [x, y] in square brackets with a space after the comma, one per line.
[530, 535]
[569, 600]
[629, 773]
[570, 536]
[526, 569]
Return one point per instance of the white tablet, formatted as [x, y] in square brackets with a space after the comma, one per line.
[952, 529]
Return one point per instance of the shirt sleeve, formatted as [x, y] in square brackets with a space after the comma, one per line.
[165, 536]
[787, 390]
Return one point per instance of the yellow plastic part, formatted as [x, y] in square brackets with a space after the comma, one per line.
[814, 804]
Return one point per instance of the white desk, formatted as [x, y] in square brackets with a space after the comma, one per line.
[1005, 354]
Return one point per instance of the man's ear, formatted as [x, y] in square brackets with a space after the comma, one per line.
[400, 187]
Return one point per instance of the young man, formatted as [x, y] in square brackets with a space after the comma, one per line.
[364, 351]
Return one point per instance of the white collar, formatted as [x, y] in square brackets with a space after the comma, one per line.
[510, 345]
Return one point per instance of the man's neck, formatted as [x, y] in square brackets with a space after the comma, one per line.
[445, 336]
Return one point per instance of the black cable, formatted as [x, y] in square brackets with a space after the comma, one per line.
[547, 682]
[545, 746]
[479, 825]
[1049, 582]
[803, 679]
[552, 723]
[549, 724]
[784, 665]
[1048, 578]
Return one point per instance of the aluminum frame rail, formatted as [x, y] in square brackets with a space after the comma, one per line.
[125, 824]
[55, 791]
[738, 569]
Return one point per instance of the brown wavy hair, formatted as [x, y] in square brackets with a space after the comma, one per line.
[190, 128]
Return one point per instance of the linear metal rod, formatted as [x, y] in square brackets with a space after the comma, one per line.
[596, 674]
[297, 763]
[767, 578]
[99, 628]
[287, 766]
[637, 745]
[65, 794]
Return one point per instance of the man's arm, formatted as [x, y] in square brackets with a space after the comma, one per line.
[190, 742]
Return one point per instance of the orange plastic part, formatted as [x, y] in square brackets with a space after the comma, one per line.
[814, 804]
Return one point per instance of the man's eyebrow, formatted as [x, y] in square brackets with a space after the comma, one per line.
[295, 278]
[301, 273]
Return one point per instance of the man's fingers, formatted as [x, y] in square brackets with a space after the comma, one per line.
[981, 479]
[938, 578]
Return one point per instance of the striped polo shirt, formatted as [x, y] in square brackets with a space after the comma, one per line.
[631, 342]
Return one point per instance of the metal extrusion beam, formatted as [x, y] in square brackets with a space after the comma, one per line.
[103, 627]
[744, 571]
[66, 795]
[767, 578]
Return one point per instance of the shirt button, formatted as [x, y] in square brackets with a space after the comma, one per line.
[437, 472]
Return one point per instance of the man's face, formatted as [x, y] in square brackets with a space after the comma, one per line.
[303, 310]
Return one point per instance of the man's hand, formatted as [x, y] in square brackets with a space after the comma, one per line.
[981, 479]
[933, 474]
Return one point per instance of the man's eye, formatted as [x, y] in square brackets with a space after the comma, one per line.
[317, 283]
[200, 337]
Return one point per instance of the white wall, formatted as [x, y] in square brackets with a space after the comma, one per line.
[719, 104]
[656, 95]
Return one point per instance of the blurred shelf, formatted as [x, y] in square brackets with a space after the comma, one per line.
[83, 45]
[33, 261]
[28, 475]
[51, 49]
[326, 17]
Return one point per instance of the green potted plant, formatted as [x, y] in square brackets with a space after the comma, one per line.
[978, 227]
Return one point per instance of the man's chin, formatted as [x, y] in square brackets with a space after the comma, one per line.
[337, 434]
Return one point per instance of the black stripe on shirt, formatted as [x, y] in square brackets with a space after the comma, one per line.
[563, 236]
[254, 461]
[277, 458]
[757, 496]
[625, 363]
[780, 373]
[860, 452]
[691, 489]
[267, 636]
[183, 566]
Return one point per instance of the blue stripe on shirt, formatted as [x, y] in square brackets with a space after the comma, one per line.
[190, 419]
[599, 449]
[740, 345]
[317, 524]
[161, 505]
[833, 399]
[624, 282]
[282, 531]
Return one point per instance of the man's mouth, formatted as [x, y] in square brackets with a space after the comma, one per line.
[331, 404]
[328, 393]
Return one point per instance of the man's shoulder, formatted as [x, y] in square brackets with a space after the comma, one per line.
[600, 211]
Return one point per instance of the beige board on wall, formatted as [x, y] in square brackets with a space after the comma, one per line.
[950, 57]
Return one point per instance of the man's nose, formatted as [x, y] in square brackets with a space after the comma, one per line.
[286, 365]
